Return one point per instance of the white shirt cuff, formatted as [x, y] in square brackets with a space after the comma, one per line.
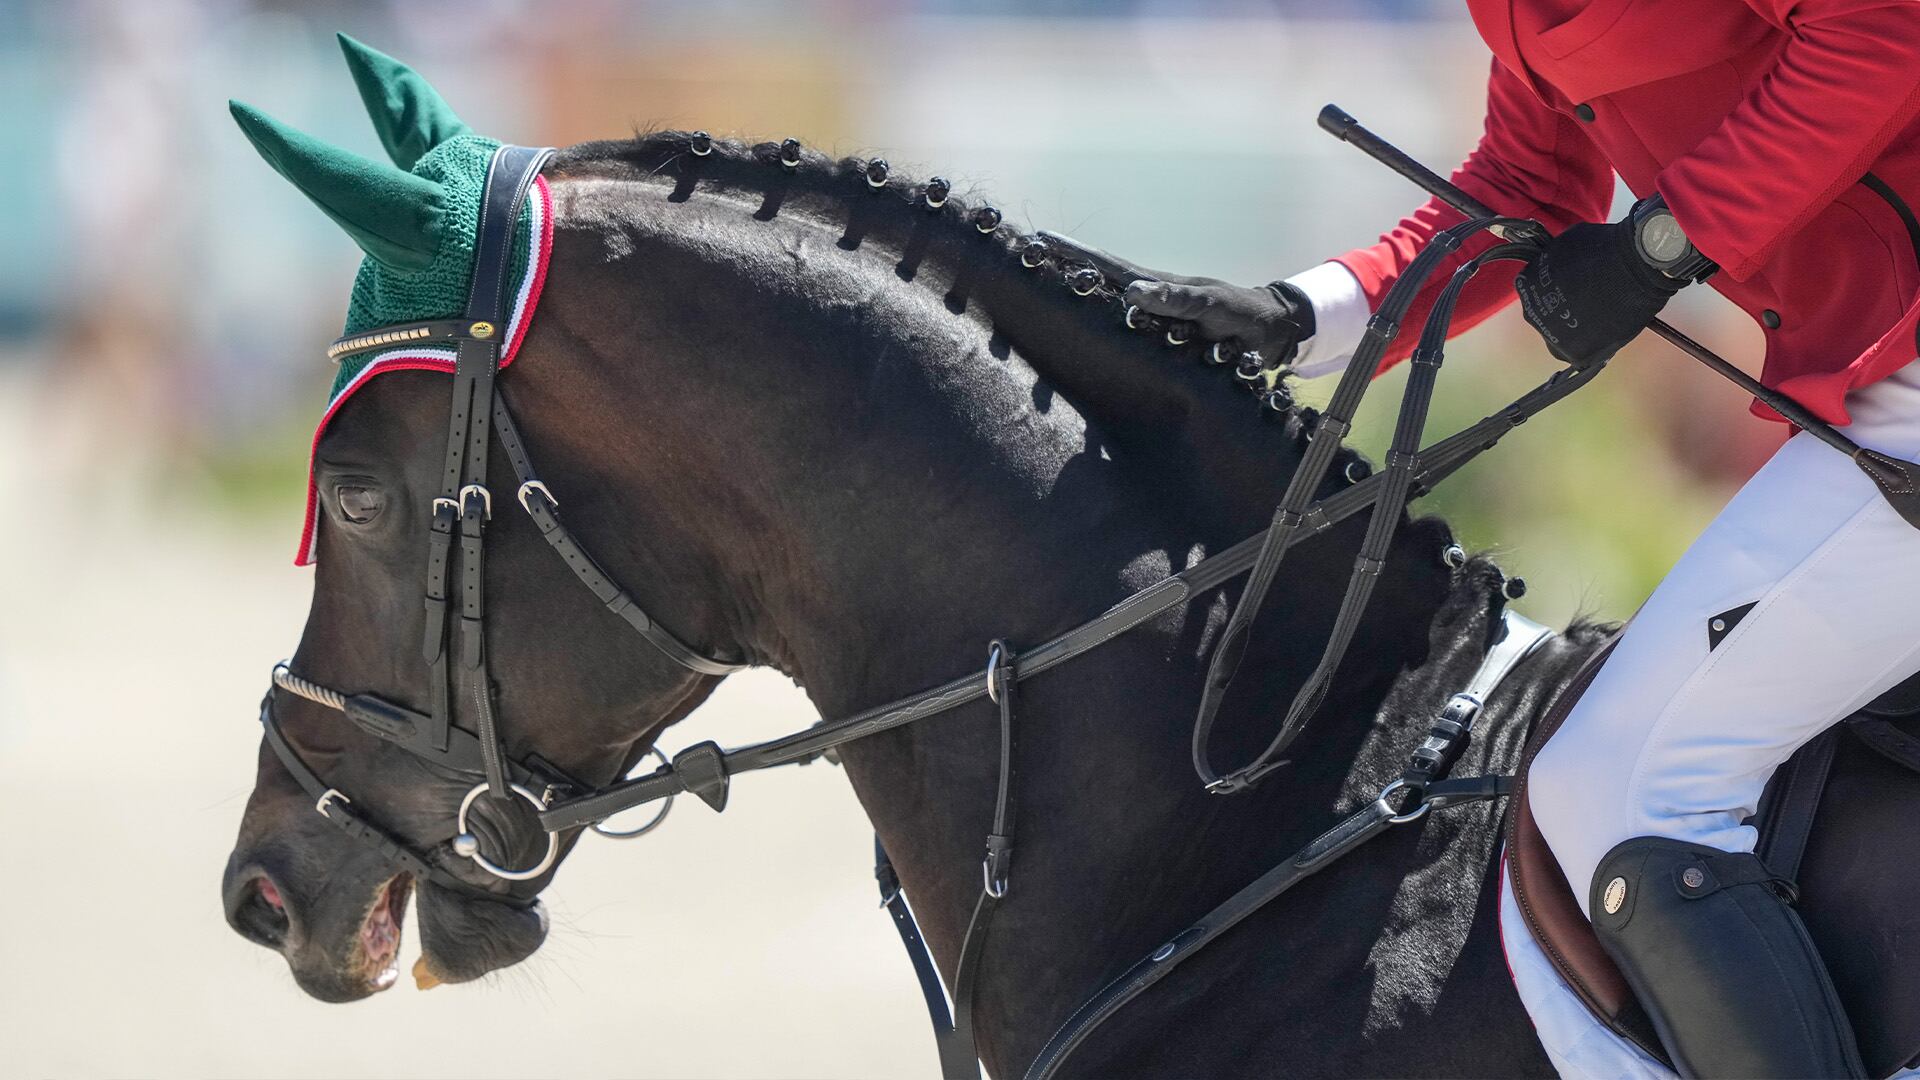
[1340, 314]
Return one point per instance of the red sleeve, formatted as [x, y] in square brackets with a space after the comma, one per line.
[1531, 162]
[1846, 82]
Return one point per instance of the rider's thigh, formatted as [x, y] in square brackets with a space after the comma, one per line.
[1678, 739]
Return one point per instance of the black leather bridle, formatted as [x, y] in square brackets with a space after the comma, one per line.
[463, 509]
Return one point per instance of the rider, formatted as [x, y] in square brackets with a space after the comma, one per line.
[1769, 143]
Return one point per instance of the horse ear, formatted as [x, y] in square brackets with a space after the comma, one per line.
[408, 114]
[393, 215]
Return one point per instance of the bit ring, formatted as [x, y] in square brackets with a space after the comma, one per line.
[546, 861]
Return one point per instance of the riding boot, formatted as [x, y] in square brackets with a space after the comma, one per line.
[1719, 958]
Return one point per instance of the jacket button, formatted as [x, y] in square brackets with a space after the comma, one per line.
[1583, 111]
[1770, 319]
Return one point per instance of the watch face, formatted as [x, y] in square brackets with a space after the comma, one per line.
[1661, 239]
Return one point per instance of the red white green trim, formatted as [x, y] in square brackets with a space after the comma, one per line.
[439, 358]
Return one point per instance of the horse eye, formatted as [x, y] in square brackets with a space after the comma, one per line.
[360, 504]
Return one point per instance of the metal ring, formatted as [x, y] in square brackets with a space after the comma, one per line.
[1394, 817]
[1454, 555]
[615, 834]
[1131, 311]
[553, 839]
[993, 665]
[486, 498]
[532, 486]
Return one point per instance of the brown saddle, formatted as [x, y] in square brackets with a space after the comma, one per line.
[1841, 818]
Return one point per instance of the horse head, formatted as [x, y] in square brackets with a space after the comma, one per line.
[585, 696]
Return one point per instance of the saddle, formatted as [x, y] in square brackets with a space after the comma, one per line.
[1841, 818]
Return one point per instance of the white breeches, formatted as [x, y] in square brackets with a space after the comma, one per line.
[1675, 739]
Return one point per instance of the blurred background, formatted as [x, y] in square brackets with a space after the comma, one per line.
[163, 305]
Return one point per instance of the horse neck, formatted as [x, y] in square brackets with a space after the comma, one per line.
[874, 484]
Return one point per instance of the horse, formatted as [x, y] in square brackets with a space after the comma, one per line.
[831, 428]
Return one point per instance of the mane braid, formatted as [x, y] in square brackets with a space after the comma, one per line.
[788, 169]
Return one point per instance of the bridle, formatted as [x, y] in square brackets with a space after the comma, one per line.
[464, 508]
[478, 415]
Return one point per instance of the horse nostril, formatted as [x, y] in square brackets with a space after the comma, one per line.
[259, 913]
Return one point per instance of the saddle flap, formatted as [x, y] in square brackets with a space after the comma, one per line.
[1849, 818]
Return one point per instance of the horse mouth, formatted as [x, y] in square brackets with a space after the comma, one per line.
[378, 942]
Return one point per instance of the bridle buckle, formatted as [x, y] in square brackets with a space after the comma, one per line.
[327, 799]
[529, 488]
[486, 499]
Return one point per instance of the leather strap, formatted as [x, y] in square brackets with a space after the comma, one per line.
[1794, 802]
[338, 809]
[953, 1037]
[541, 506]
[1396, 488]
[894, 899]
[1323, 852]
[1435, 464]
[1431, 791]
[510, 173]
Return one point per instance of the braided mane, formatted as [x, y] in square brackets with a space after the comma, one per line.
[871, 198]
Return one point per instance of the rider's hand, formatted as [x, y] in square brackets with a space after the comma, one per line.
[1271, 319]
[1590, 291]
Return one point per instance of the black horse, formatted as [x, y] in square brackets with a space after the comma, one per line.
[827, 429]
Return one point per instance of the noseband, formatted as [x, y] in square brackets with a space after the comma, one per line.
[465, 507]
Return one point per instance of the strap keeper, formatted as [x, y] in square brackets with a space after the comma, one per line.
[1368, 567]
[702, 769]
[470, 642]
[1337, 426]
[434, 641]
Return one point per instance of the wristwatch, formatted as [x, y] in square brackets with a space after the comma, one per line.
[1659, 240]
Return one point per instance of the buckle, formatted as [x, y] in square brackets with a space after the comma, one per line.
[531, 486]
[486, 499]
[327, 798]
[993, 868]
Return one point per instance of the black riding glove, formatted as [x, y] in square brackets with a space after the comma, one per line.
[1589, 291]
[1271, 320]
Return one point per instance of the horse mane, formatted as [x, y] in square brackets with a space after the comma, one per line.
[813, 182]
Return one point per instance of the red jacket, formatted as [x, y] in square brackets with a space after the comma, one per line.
[1757, 119]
